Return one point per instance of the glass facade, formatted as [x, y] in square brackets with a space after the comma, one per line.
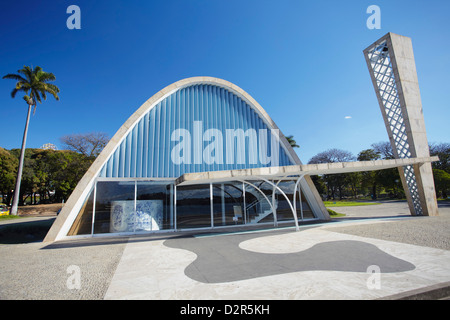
[156, 200]
[135, 206]
[114, 207]
[193, 206]
[284, 211]
[83, 223]
[258, 198]
[228, 204]
[198, 125]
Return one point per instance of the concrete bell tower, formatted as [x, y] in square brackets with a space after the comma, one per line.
[393, 71]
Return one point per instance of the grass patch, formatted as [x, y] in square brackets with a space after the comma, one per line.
[334, 214]
[339, 203]
[9, 217]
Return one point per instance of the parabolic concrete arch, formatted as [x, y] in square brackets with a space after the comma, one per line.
[151, 149]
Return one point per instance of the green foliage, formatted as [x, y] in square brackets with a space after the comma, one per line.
[8, 165]
[9, 217]
[334, 214]
[348, 203]
[292, 142]
[35, 83]
[441, 168]
[48, 173]
[442, 182]
[368, 154]
[335, 183]
[442, 150]
[372, 184]
[376, 181]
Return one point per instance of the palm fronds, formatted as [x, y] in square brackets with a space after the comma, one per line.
[34, 83]
[292, 142]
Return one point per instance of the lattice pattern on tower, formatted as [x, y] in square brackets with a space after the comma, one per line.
[382, 70]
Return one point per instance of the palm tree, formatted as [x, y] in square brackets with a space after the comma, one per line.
[35, 84]
[292, 142]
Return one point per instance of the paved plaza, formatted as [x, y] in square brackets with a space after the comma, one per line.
[356, 257]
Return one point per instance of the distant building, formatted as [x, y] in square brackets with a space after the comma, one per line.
[49, 146]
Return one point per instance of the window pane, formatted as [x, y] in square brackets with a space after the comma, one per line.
[83, 222]
[258, 209]
[114, 207]
[193, 206]
[153, 206]
[228, 204]
[284, 211]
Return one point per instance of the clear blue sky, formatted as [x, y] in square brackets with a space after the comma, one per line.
[301, 60]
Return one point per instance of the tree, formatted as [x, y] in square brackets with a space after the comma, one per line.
[442, 150]
[335, 182]
[88, 144]
[368, 155]
[8, 165]
[441, 168]
[30, 181]
[353, 180]
[369, 178]
[384, 149]
[441, 182]
[332, 155]
[66, 168]
[51, 174]
[292, 142]
[35, 84]
[389, 179]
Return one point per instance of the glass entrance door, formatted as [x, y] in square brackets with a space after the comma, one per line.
[228, 204]
[257, 206]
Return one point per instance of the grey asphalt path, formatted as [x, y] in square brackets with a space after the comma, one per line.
[220, 259]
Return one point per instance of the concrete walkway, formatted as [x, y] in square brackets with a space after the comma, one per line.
[320, 262]
[390, 208]
[370, 254]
